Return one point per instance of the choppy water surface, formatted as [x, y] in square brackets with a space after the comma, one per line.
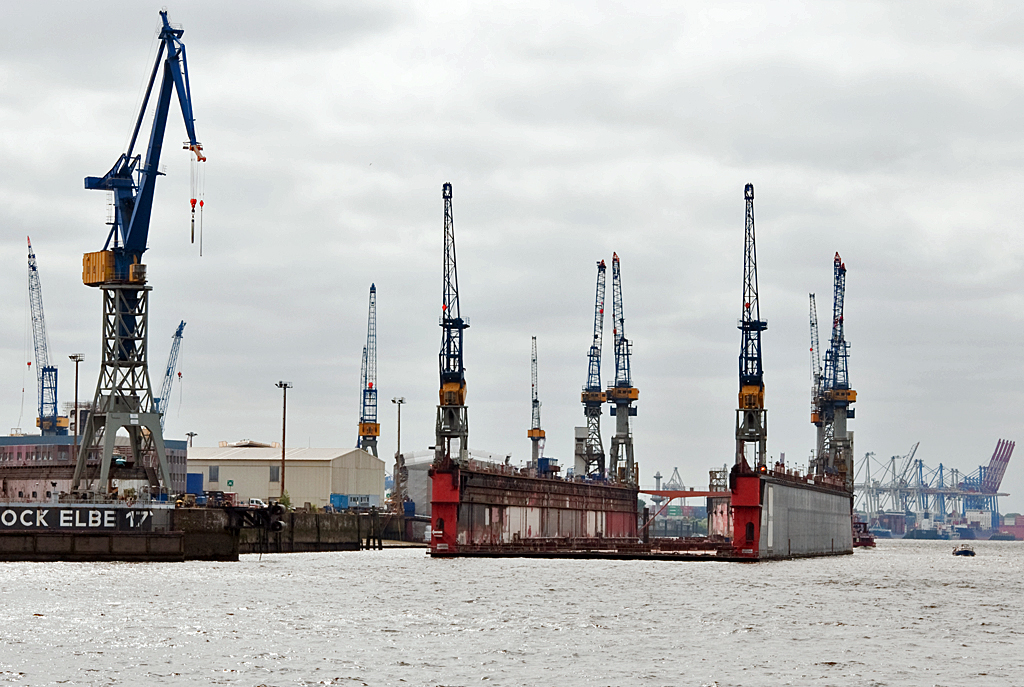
[907, 613]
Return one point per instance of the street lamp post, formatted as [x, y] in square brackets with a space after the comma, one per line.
[190, 435]
[398, 401]
[77, 357]
[283, 386]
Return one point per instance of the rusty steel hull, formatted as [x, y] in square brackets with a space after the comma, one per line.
[494, 511]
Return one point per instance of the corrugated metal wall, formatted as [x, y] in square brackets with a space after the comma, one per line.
[799, 521]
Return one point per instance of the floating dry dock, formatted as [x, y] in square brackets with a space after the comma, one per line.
[488, 510]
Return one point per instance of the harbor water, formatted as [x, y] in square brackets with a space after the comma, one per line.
[907, 613]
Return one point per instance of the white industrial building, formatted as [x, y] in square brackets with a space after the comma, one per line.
[253, 470]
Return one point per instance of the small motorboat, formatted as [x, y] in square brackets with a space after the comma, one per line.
[963, 550]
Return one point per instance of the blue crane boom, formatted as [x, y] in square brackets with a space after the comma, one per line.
[160, 402]
[836, 357]
[453, 371]
[623, 377]
[133, 185]
[369, 428]
[46, 374]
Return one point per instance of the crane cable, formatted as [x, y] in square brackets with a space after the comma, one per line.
[198, 196]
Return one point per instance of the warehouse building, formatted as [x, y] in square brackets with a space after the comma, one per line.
[253, 470]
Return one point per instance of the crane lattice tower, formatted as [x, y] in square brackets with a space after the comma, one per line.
[49, 422]
[621, 394]
[452, 413]
[751, 416]
[369, 428]
[589, 448]
[837, 396]
[535, 433]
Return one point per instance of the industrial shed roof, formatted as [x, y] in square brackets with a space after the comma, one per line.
[225, 453]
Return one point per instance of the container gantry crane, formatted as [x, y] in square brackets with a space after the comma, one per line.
[160, 403]
[369, 428]
[622, 393]
[535, 433]
[751, 416]
[452, 413]
[589, 448]
[124, 392]
[837, 396]
[49, 422]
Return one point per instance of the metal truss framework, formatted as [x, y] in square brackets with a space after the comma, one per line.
[123, 399]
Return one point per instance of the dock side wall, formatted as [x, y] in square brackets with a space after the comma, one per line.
[497, 511]
[804, 521]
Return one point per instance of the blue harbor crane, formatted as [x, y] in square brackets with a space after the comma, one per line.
[160, 402]
[49, 423]
[535, 433]
[837, 445]
[369, 428]
[751, 416]
[452, 413]
[621, 394]
[124, 393]
[817, 377]
[589, 452]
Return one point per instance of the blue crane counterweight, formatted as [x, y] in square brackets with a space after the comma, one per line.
[452, 413]
[49, 422]
[160, 403]
[751, 416]
[124, 392]
[589, 454]
[621, 394]
[369, 428]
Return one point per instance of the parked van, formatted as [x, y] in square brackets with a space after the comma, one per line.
[257, 503]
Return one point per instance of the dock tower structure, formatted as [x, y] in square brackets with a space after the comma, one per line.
[535, 433]
[621, 394]
[837, 397]
[50, 423]
[751, 415]
[124, 393]
[452, 413]
[817, 376]
[160, 403]
[589, 454]
[369, 428]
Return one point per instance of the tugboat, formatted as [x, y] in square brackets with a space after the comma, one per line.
[963, 550]
[862, 536]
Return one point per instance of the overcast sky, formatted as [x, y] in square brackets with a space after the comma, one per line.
[887, 132]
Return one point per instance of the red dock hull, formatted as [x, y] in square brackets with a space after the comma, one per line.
[493, 511]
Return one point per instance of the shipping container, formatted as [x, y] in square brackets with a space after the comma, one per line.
[194, 483]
